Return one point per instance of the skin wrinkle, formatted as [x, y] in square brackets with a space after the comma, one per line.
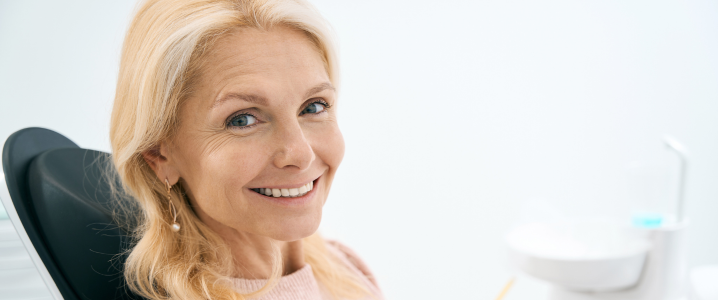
[260, 100]
[217, 165]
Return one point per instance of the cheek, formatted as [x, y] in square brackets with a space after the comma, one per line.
[218, 172]
[233, 166]
[330, 146]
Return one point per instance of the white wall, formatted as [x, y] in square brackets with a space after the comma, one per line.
[58, 66]
[455, 115]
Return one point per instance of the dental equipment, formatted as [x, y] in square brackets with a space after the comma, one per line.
[597, 260]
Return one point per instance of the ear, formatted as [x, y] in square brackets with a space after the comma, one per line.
[160, 160]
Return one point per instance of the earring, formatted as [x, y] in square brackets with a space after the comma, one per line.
[175, 226]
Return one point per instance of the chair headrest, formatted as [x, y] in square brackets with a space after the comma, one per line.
[71, 195]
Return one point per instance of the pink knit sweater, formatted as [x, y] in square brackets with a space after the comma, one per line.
[301, 285]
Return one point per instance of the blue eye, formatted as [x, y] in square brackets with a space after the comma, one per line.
[243, 120]
[314, 108]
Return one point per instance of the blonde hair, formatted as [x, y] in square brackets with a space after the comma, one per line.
[161, 59]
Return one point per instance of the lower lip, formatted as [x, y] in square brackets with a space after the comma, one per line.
[295, 201]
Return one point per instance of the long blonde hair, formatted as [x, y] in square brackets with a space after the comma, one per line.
[161, 58]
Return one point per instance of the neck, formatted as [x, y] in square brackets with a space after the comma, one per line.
[254, 255]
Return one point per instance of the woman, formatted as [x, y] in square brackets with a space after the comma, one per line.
[224, 131]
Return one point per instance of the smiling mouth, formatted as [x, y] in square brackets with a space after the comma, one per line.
[286, 193]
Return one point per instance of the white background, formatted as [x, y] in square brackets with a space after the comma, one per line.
[458, 115]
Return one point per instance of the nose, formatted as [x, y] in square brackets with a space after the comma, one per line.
[293, 149]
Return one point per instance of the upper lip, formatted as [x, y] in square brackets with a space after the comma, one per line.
[285, 186]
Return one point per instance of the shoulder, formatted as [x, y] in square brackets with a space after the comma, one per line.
[352, 259]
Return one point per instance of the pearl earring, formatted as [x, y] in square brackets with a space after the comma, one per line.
[175, 226]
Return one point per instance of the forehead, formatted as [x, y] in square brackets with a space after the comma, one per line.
[251, 54]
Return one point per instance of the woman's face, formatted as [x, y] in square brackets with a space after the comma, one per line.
[258, 143]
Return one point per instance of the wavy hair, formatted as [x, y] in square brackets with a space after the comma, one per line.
[161, 60]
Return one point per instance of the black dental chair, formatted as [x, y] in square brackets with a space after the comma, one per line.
[63, 200]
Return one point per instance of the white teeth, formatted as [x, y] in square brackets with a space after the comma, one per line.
[295, 192]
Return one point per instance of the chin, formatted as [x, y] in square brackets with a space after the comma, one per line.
[294, 231]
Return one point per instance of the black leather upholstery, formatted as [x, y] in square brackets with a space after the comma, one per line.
[63, 200]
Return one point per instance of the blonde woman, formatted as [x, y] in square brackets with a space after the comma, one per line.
[224, 131]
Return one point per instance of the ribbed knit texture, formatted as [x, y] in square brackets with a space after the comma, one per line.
[301, 285]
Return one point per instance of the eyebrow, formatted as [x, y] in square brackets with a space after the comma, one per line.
[256, 99]
[259, 100]
[319, 88]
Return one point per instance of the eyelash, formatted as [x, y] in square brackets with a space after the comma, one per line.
[229, 120]
[321, 102]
